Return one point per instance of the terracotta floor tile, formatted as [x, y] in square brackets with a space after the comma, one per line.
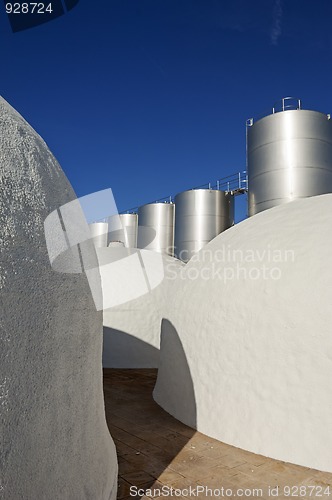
[183, 483]
[126, 466]
[123, 488]
[134, 497]
[123, 449]
[298, 468]
[284, 468]
[246, 468]
[199, 441]
[138, 477]
[170, 477]
[154, 489]
[215, 451]
[231, 461]
[225, 471]
[215, 484]
[323, 476]
[251, 458]
[213, 481]
[319, 481]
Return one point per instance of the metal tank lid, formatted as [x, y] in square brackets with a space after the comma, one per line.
[158, 203]
[282, 105]
[199, 189]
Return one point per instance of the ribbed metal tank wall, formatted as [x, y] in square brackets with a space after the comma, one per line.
[156, 227]
[127, 234]
[201, 214]
[98, 232]
[289, 156]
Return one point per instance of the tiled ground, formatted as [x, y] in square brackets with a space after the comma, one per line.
[156, 451]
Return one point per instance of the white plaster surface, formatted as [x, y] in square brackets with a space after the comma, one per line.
[258, 351]
[54, 439]
[134, 299]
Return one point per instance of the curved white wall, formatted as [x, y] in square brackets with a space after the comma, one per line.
[54, 439]
[136, 285]
[258, 346]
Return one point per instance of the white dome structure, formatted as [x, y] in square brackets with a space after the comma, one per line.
[55, 443]
[252, 312]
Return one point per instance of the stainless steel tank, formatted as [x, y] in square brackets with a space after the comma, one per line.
[289, 156]
[201, 214]
[116, 244]
[156, 227]
[123, 228]
[98, 232]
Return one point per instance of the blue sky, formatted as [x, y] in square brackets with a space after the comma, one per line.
[150, 97]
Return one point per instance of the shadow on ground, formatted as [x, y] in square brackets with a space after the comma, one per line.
[147, 438]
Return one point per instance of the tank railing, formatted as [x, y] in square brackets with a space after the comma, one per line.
[229, 183]
[284, 104]
[208, 185]
[234, 183]
[134, 210]
[166, 199]
[287, 103]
